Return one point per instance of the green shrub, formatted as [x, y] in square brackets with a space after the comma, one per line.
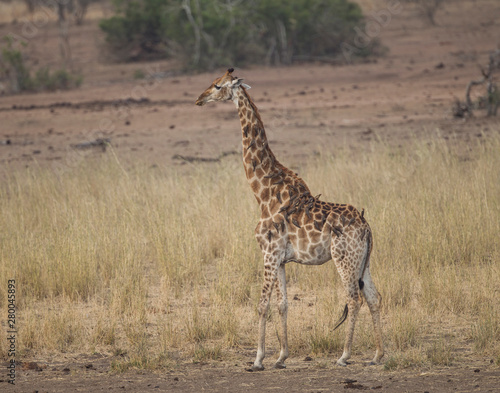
[139, 74]
[212, 33]
[306, 28]
[14, 69]
[62, 80]
[139, 28]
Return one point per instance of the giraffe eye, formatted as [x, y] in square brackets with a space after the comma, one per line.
[217, 87]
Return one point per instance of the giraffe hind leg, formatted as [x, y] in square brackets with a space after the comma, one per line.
[373, 299]
[350, 266]
[353, 306]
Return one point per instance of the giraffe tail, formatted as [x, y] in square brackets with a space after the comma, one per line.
[366, 259]
[343, 317]
[361, 283]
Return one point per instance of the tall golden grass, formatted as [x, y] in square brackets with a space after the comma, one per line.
[156, 265]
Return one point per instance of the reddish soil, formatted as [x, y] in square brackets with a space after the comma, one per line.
[405, 95]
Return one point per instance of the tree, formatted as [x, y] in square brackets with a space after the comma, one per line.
[76, 7]
[210, 33]
[491, 98]
[31, 5]
[80, 10]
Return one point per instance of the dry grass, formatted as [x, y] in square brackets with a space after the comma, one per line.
[156, 266]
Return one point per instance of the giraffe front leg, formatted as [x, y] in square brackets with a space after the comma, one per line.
[270, 275]
[283, 311]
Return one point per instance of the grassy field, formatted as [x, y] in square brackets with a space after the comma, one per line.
[156, 266]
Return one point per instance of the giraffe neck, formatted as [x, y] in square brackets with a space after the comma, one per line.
[258, 159]
[263, 171]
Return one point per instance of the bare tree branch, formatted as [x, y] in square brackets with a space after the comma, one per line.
[186, 6]
[491, 100]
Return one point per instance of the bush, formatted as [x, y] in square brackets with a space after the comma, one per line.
[306, 28]
[139, 29]
[208, 34]
[14, 69]
[58, 80]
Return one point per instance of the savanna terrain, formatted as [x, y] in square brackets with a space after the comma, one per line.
[134, 259]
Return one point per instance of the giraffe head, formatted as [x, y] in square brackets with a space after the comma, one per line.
[222, 89]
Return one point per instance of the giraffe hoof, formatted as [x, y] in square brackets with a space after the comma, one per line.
[279, 366]
[342, 363]
[257, 368]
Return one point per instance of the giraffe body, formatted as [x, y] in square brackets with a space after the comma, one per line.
[296, 226]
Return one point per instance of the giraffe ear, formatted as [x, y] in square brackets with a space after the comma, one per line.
[236, 82]
[239, 82]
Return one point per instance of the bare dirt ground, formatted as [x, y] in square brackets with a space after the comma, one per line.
[405, 95]
[90, 374]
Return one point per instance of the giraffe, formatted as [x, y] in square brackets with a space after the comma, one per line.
[296, 226]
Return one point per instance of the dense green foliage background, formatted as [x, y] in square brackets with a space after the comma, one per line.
[207, 34]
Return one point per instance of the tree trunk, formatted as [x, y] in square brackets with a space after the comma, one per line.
[64, 37]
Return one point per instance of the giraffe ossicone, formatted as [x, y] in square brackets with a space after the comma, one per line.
[296, 226]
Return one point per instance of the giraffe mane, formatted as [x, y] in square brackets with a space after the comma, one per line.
[254, 107]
